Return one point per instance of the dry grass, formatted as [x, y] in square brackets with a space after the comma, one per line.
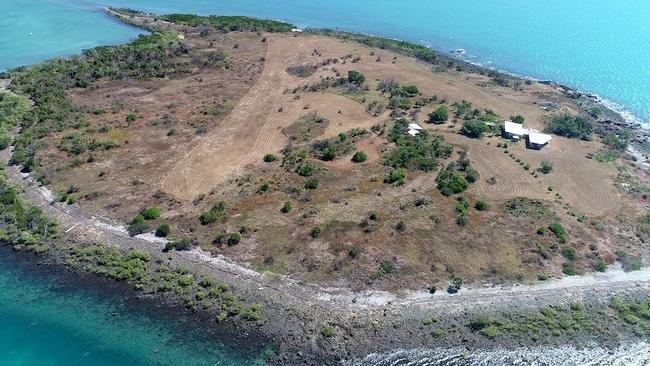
[226, 164]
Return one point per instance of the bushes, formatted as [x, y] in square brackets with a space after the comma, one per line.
[518, 119]
[455, 178]
[439, 116]
[570, 126]
[359, 157]
[385, 267]
[481, 205]
[410, 90]
[287, 207]
[138, 226]
[163, 231]
[253, 312]
[269, 158]
[312, 183]
[396, 177]
[474, 128]
[230, 23]
[215, 213]
[306, 170]
[569, 253]
[545, 167]
[356, 78]
[150, 213]
[559, 231]
[234, 239]
[328, 332]
[420, 152]
[330, 149]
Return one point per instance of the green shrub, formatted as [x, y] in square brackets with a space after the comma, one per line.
[559, 231]
[545, 167]
[518, 119]
[481, 205]
[569, 253]
[287, 207]
[328, 332]
[163, 231]
[150, 213]
[269, 158]
[355, 77]
[480, 321]
[212, 215]
[410, 90]
[397, 177]
[401, 227]
[568, 270]
[234, 239]
[315, 232]
[206, 282]
[138, 226]
[450, 182]
[306, 170]
[312, 183]
[600, 266]
[440, 115]
[474, 128]
[185, 280]
[253, 312]
[359, 157]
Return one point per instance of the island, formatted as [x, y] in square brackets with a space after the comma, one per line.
[329, 195]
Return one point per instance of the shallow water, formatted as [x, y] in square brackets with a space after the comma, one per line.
[599, 46]
[45, 321]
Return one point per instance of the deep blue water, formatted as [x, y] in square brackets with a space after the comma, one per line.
[599, 46]
[46, 321]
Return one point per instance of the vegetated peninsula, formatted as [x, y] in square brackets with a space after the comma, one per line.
[336, 194]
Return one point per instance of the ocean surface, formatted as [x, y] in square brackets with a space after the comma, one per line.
[46, 322]
[598, 46]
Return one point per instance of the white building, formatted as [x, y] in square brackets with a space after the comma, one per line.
[537, 140]
[514, 130]
[413, 129]
[534, 139]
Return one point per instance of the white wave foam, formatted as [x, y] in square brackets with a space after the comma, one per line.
[635, 354]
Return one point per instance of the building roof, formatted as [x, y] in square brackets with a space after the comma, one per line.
[414, 126]
[539, 138]
[413, 132]
[514, 128]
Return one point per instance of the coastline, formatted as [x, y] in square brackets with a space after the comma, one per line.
[297, 311]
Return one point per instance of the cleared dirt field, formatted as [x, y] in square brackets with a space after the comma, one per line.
[254, 127]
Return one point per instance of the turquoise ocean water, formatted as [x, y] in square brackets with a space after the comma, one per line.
[599, 46]
[45, 322]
